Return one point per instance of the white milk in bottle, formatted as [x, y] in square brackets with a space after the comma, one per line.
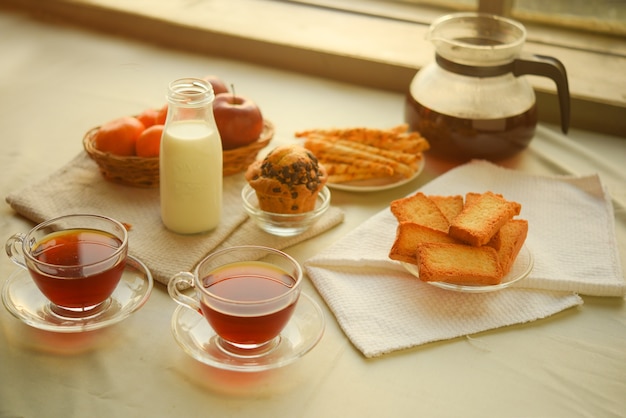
[190, 160]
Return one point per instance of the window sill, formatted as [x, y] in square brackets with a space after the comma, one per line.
[377, 52]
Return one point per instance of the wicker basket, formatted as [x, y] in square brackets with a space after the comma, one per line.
[144, 172]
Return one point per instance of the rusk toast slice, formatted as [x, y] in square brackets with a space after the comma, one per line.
[481, 219]
[450, 206]
[512, 237]
[409, 235]
[494, 242]
[458, 264]
[419, 209]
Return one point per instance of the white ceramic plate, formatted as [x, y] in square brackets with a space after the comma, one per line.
[23, 299]
[303, 331]
[375, 185]
[521, 268]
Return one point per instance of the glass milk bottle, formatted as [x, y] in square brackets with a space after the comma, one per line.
[190, 159]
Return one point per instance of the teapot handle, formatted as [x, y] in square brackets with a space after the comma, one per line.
[550, 67]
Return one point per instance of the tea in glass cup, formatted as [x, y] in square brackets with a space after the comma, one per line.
[76, 261]
[247, 294]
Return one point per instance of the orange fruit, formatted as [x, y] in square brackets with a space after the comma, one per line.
[119, 136]
[149, 142]
[148, 117]
[162, 114]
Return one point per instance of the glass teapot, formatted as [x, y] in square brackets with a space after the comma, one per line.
[473, 101]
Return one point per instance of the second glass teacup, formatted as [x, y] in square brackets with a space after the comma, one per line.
[246, 293]
[76, 261]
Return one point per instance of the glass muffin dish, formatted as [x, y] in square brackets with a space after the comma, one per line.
[280, 224]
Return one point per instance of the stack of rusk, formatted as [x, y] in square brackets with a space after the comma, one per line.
[366, 153]
[472, 241]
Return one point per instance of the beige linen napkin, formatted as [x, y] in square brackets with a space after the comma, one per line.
[382, 308]
[78, 187]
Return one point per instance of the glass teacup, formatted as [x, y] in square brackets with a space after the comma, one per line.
[76, 261]
[246, 293]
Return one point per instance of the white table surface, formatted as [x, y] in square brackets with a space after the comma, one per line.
[58, 81]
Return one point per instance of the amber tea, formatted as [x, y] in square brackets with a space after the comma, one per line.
[463, 139]
[247, 294]
[248, 282]
[70, 270]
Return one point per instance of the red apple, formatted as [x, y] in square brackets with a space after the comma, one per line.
[239, 120]
[218, 85]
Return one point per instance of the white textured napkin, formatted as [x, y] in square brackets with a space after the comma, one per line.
[78, 187]
[382, 308]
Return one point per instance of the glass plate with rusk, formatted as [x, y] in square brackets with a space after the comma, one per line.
[378, 184]
[521, 268]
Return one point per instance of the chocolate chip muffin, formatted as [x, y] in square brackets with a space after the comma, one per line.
[287, 180]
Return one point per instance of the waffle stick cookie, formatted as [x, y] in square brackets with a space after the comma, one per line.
[365, 153]
[397, 138]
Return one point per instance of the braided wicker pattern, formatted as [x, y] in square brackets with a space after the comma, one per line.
[144, 172]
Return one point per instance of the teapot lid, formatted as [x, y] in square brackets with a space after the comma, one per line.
[477, 39]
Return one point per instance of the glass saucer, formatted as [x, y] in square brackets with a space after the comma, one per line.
[522, 266]
[196, 337]
[23, 299]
